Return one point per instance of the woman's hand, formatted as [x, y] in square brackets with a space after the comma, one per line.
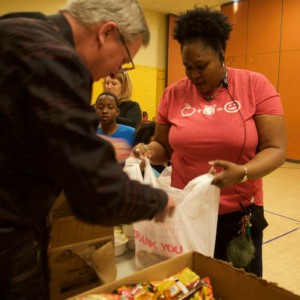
[142, 152]
[231, 173]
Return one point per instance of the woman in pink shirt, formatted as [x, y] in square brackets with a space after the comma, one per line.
[228, 119]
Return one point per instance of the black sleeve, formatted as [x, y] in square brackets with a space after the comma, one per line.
[80, 162]
[132, 117]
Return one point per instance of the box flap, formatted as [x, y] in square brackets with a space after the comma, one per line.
[229, 283]
[103, 261]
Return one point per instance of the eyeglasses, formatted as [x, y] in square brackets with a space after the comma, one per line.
[130, 65]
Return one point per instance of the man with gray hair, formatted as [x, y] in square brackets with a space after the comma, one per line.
[48, 136]
[112, 20]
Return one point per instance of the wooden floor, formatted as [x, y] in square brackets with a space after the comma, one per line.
[281, 248]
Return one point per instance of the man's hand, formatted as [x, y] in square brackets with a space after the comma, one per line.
[167, 212]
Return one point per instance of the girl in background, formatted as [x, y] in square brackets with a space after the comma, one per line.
[130, 111]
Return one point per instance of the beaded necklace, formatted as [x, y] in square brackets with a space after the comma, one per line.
[209, 98]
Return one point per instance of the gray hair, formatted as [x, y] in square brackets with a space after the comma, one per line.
[127, 14]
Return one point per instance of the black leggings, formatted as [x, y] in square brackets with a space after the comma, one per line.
[228, 228]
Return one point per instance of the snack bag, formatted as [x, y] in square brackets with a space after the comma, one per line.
[100, 297]
[177, 284]
[201, 290]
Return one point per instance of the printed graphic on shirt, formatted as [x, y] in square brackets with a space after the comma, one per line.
[231, 107]
[210, 110]
[188, 110]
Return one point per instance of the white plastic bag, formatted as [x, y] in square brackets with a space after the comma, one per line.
[193, 225]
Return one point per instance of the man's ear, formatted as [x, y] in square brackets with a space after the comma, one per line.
[118, 112]
[106, 31]
[95, 106]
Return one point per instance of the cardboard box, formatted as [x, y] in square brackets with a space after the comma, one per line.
[66, 230]
[61, 204]
[228, 283]
[79, 267]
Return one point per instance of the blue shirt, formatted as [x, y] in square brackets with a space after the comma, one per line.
[124, 132]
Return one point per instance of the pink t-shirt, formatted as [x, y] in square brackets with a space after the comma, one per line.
[203, 131]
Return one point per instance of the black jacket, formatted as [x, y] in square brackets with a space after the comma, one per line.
[130, 114]
[47, 132]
